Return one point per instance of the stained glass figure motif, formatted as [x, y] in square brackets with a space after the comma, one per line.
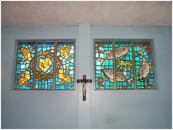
[123, 65]
[45, 65]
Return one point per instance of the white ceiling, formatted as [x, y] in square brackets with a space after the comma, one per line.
[156, 13]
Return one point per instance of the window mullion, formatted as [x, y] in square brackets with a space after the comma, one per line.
[35, 60]
[114, 65]
[54, 66]
[134, 66]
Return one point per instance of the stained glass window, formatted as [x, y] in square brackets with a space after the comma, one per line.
[47, 65]
[123, 65]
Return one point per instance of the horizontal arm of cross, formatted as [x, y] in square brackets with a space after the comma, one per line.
[84, 80]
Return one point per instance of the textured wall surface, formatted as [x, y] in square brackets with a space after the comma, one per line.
[108, 109]
[58, 13]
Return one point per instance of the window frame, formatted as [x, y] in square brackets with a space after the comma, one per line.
[124, 40]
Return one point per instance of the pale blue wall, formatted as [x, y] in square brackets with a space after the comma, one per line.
[34, 109]
[109, 109]
[137, 108]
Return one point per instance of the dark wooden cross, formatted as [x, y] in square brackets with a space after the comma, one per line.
[84, 81]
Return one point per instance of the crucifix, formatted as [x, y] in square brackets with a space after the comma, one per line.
[84, 81]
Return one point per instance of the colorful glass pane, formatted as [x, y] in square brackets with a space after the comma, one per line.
[24, 73]
[104, 65]
[123, 65]
[144, 65]
[64, 75]
[45, 65]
